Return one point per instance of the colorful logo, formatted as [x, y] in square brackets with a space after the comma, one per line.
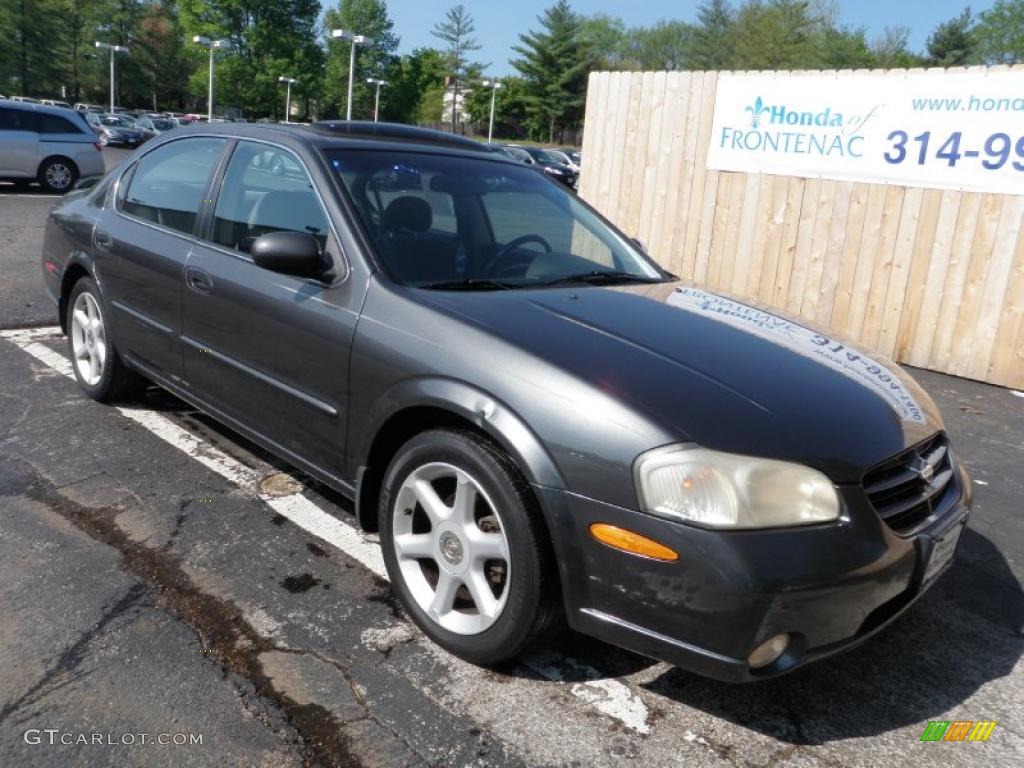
[756, 110]
[958, 730]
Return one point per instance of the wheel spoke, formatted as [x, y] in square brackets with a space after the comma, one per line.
[489, 546]
[100, 349]
[82, 319]
[414, 545]
[480, 591]
[444, 594]
[90, 309]
[94, 367]
[431, 502]
[465, 501]
[81, 351]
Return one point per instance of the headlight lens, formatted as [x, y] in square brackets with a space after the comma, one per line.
[723, 490]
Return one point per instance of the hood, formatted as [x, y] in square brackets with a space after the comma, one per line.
[708, 369]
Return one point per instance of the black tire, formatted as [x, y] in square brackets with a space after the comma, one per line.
[117, 382]
[533, 609]
[58, 175]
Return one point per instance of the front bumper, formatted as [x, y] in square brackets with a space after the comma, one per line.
[829, 587]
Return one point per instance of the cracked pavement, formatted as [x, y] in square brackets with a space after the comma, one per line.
[143, 593]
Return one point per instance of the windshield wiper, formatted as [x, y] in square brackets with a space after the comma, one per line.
[598, 277]
[468, 284]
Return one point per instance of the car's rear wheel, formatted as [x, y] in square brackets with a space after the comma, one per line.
[58, 175]
[465, 547]
[99, 370]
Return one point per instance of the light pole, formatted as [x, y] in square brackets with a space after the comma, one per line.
[494, 85]
[288, 99]
[114, 50]
[376, 101]
[213, 45]
[352, 37]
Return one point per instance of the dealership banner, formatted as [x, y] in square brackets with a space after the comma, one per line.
[962, 130]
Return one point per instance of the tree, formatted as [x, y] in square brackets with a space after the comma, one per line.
[555, 63]
[845, 48]
[268, 39]
[409, 79]
[364, 17]
[668, 45]
[775, 35]
[28, 65]
[160, 56]
[1000, 33]
[510, 111]
[456, 31]
[604, 37]
[712, 39]
[953, 43]
[892, 50]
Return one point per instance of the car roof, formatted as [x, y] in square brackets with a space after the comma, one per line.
[29, 106]
[342, 134]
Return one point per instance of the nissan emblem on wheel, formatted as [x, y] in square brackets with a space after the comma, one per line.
[546, 428]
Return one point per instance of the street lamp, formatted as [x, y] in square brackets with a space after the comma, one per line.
[114, 50]
[352, 37]
[288, 99]
[376, 101]
[213, 45]
[494, 85]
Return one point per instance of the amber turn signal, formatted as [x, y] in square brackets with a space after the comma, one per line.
[634, 543]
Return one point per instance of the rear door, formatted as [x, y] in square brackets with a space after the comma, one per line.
[142, 245]
[266, 349]
[19, 143]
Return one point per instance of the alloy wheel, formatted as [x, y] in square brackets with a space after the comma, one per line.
[88, 339]
[451, 548]
[58, 176]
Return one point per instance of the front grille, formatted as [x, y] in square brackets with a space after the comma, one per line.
[913, 488]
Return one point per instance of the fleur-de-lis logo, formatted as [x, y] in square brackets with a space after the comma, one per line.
[756, 111]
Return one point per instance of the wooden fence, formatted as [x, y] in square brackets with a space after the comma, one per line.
[932, 278]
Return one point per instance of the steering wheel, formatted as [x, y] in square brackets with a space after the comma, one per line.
[509, 250]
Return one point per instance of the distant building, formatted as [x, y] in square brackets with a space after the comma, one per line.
[446, 112]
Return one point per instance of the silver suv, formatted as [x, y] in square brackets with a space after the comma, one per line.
[50, 145]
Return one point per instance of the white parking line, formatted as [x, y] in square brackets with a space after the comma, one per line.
[606, 695]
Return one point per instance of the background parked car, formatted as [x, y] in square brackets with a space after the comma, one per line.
[151, 127]
[565, 160]
[118, 130]
[548, 164]
[50, 145]
[55, 103]
[82, 107]
[25, 99]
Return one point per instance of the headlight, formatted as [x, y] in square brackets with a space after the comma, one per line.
[722, 490]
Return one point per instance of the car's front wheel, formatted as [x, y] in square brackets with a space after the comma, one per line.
[465, 547]
[98, 368]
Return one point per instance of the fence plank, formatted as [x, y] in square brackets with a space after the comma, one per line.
[933, 278]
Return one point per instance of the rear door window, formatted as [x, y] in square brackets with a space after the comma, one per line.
[54, 124]
[16, 120]
[168, 184]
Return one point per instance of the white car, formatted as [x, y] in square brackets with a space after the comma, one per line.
[55, 103]
[50, 145]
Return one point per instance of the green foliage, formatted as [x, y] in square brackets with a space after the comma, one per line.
[555, 63]
[364, 17]
[776, 35]
[953, 43]
[456, 32]
[1000, 33]
[269, 38]
[893, 51]
[409, 80]
[604, 39]
[713, 40]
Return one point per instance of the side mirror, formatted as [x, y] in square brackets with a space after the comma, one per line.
[639, 244]
[290, 253]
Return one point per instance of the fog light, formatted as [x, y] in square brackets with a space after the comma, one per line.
[768, 651]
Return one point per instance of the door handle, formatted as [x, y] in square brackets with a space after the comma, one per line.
[103, 239]
[198, 280]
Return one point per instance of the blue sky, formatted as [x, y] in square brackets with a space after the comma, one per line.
[498, 22]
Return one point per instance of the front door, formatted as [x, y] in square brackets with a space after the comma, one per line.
[266, 349]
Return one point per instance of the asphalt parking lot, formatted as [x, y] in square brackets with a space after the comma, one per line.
[159, 575]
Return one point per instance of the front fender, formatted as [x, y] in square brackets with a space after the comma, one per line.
[485, 411]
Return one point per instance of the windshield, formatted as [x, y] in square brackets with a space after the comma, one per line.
[163, 125]
[441, 221]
